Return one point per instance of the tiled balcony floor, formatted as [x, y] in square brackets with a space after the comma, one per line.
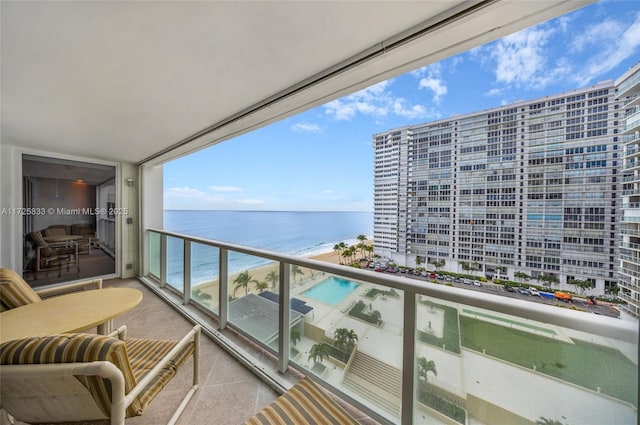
[229, 393]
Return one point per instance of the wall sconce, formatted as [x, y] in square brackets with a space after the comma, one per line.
[129, 182]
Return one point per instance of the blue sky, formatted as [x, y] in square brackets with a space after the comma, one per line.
[322, 159]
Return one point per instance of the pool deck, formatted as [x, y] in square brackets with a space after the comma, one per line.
[457, 373]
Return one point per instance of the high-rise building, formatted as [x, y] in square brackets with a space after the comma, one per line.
[628, 86]
[522, 191]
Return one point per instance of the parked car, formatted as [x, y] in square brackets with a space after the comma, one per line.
[457, 280]
[477, 283]
[508, 288]
[534, 292]
[448, 278]
[523, 291]
[466, 281]
[440, 277]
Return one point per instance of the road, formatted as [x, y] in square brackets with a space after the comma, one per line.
[492, 288]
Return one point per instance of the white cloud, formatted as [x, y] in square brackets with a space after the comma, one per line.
[188, 197]
[494, 92]
[376, 101]
[611, 42]
[431, 79]
[436, 85]
[415, 111]
[605, 31]
[185, 192]
[302, 127]
[225, 188]
[521, 58]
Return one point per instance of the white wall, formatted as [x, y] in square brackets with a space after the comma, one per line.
[127, 200]
[151, 207]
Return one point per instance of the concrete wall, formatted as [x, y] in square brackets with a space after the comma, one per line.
[150, 180]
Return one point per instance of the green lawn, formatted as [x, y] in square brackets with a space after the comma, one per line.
[583, 363]
[451, 333]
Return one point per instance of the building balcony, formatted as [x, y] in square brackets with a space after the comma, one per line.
[632, 123]
[473, 339]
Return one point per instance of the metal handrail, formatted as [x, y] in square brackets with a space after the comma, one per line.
[599, 325]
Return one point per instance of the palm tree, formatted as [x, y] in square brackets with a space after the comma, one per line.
[318, 352]
[548, 279]
[581, 285]
[362, 245]
[242, 281]
[295, 336]
[272, 277]
[340, 337]
[348, 253]
[352, 338]
[369, 249]
[520, 275]
[425, 366]
[418, 261]
[295, 270]
[337, 249]
[262, 286]
[438, 264]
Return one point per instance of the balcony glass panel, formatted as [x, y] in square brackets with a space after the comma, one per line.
[204, 275]
[478, 357]
[154, 254]
[497, 368]
[250, 308]
[352, 338]
[175, 262]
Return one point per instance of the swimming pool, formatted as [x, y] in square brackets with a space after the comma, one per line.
[331, 290]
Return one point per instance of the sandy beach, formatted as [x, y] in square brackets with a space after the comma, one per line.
[260, 273]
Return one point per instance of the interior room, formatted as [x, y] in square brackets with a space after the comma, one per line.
[68, 231]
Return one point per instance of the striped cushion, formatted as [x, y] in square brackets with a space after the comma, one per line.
[71, 348]
[303, 404]
[14, 291]
[144, 354]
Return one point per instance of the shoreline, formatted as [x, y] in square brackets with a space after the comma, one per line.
[260, 273]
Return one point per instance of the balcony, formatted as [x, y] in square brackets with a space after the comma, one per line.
[464, 333]
[135, 105]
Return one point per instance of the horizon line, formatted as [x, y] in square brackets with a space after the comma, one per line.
[328, 211]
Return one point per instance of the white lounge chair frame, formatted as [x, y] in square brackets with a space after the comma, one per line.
[51, 392]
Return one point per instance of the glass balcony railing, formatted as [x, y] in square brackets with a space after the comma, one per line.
[410, 351]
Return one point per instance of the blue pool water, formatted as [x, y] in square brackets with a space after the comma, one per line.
[331, 290]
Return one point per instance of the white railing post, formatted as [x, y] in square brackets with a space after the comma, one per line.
[163, 260]
[284, 312]
[408, 358]
[186, 271]
[223, 288]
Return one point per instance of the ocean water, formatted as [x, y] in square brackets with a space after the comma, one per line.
[285, 232]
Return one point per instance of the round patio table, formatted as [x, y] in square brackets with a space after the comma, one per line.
[72, 312]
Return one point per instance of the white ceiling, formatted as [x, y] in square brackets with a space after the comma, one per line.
[62, 169]
[127, 80]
